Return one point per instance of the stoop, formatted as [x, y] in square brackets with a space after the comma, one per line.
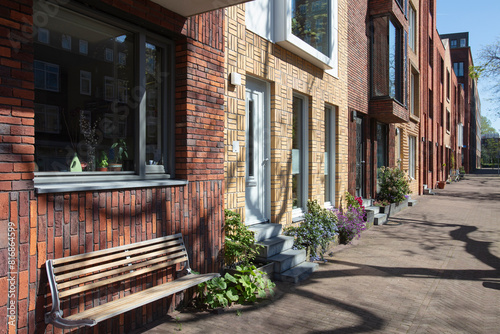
[290, 265]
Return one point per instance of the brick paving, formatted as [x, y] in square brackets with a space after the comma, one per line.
[434, 268]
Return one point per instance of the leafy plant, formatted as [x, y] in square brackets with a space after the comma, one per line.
[103, 162]
[317, 230]
[119, 148]
[394, 184]
[248, 285]
[461, 170]
[383, 202]
[239, 247]
[353, 201]
[351, 222]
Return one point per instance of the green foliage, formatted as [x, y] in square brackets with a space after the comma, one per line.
[383, 202]
[461, 170]
[247, 285]
[394, 184]
[317, 230]
[121, 150]
[103, 162]
[240, 244]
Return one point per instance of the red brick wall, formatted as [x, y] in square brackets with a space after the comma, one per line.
[55, 225]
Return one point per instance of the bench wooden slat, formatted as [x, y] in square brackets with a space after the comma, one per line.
[115, 279]
[102, 252]
[111, 265]
[92, 277]
[125, 253]
[130, 302]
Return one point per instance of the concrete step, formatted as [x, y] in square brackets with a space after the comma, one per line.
[297, 273]
[288, 259]
[374, 209]
[367, 202]
[265, 231]
[275, 245]
[380, 219]
[412, 202]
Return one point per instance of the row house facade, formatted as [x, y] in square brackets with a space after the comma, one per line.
[383, 105]
[461, 56]
[81, 80]
[286, 108]
[443, 133]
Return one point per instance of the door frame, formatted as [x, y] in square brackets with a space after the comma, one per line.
[254, 84]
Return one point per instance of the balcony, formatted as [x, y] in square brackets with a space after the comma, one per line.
[188, 8]
[388, 110]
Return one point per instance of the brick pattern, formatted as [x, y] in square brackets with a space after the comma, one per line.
[56, 225]
[251, 55]
[435, 61]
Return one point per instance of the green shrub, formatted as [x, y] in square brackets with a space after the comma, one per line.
[317, 230]
[394, 185]
[239, 246]
[247, 285]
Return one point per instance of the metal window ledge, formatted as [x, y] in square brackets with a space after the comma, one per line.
[105, 185]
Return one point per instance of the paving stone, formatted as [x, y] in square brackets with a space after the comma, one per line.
[433, 268]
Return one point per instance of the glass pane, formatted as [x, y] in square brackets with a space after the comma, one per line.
[310, 23]
[154, 72]
[251, 138]
[392, 60]
[85, 108]
[327, 140]
[296, 153]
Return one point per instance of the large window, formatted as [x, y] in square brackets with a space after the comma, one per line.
[308, 28]
[101, 94]
[299, 155]
[387, 59]
[310, 23]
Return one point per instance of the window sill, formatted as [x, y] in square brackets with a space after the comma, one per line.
[48, 188]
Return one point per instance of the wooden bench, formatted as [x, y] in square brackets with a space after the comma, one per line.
[92, 272]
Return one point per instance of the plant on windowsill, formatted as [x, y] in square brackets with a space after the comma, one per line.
[102, 165]
[119, 148]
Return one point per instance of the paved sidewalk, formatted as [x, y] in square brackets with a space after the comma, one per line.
[435, 268]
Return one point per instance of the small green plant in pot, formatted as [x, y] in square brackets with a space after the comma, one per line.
[102, 165]
[119, 148]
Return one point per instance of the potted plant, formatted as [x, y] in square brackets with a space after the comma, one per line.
[441, 184]
[102, 165]
[119, 149]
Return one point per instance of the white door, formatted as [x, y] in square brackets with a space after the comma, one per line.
[258, 164]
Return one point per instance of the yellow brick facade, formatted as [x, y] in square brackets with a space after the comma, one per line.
[253, 56]
[412, 128]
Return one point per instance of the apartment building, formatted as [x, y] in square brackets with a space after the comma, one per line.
[461, 56]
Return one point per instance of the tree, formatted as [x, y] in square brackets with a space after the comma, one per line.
[486, 127]
[489, 66]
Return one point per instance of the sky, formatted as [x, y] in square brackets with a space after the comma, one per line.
[481, 19]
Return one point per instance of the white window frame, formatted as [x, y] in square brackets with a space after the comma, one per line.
[412, 157]
[303, 186]
[272, 20]
[412, 27]
[331, 153]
